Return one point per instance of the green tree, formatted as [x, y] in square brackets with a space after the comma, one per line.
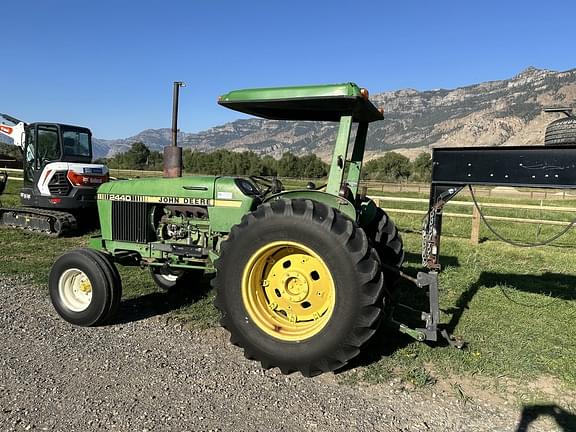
[11, 151]
[313, 166]
[422, 168]
[391, 167]
[155, 161]
[288, 166]
[269, 166]
[137, 156]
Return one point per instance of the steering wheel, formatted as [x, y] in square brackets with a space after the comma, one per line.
[263, 184]
[266, 186]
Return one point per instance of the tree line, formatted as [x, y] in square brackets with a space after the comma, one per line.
[222, 162]
[392, 167]
[11, 151]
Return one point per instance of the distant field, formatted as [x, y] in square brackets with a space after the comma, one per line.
[516, 307]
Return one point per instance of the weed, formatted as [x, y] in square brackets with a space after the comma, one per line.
[462, 397]
[418, 376]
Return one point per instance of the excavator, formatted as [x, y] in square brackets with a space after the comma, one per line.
[60, 180]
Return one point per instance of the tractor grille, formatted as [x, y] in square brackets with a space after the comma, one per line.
[59, 184]
[130, 222]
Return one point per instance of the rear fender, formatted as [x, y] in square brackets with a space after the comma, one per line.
[339, 203]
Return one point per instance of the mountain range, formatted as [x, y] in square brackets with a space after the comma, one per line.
[493, 113]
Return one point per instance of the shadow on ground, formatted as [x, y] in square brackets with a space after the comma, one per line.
[552, 285]
[160, 303]
[416, 259]
[388, 338]
[565, 420]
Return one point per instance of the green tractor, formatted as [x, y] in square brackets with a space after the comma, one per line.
[299, 274]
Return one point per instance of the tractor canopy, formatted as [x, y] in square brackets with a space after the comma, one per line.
[327, 102]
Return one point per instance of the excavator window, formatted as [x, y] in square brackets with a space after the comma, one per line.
[48, 147]
[76, 143]
[30, 155]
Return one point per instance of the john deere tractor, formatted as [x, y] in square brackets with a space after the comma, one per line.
[299, 274]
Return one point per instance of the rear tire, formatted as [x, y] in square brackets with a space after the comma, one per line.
[84, 288]
[386, 239]
[298, 287]
[561, 132]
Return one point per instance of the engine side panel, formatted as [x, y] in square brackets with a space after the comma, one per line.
[175, 221]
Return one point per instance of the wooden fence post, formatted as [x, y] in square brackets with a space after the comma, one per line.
[475, 233]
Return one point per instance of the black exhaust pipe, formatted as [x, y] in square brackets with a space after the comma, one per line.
[173, 153]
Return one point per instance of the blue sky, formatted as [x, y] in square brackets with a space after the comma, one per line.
[110, 65]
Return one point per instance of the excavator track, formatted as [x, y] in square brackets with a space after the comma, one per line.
[49, 222]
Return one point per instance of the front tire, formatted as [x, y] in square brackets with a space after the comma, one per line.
[298, 287]
[84, 289]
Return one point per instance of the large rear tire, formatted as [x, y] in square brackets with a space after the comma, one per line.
[84, 287]
[299, 287]
[561, 132]
[385, 238]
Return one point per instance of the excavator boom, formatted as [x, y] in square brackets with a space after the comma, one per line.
[17, 131]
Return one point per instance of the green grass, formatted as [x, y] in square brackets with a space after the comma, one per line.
[515, 307]
[32, 255]
[460, 227]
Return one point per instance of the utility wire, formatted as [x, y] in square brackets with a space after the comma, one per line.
[513, 242]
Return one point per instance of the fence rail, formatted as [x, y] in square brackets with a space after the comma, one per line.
[383, 201]
[471, 204]
[475, 216]
[375, 186]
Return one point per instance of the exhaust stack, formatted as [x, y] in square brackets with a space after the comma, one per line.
[173, 153]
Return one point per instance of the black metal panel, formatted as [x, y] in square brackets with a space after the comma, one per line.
[59, 184]
[130, 222]
[529, 166]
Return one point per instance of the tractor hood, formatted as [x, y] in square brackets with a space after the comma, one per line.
[158, 190]
[226, 198]
[192, 190]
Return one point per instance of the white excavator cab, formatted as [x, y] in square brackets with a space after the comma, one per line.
[58, 173]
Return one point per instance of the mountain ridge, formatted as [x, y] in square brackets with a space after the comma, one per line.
[499, 112]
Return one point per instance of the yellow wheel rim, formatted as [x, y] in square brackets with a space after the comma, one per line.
[288, 291]
[75, 290]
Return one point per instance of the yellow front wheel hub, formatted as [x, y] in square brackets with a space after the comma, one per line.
[288, 291]
[75, 290]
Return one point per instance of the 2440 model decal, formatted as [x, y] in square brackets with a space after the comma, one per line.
[156, 199]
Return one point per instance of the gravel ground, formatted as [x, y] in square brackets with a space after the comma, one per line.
[153, 375]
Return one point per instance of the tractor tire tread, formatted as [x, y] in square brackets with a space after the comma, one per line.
[561, 132]
[98, 310]
[354, 244]
[114, 279]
